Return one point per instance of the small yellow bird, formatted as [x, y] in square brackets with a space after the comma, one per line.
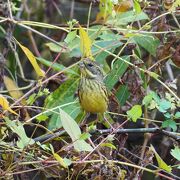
[92, 92]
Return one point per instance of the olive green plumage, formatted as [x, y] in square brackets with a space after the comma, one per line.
[92, 92]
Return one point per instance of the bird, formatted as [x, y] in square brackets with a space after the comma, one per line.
[92, 92]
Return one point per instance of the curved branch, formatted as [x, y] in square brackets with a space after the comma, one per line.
[173, 135]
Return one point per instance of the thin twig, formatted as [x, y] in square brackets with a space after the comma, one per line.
[9, 8]
[38, 54]
[89, 16]
[175, 19]
[159, 61]
[40, 84]
[169, 71]
[20, 88]
[72, 9]
[175, 136]
[42, 35]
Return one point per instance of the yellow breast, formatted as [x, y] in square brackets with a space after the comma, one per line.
[93, 100]
[94, 103]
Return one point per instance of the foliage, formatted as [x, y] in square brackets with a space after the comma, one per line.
[43, 126]
[176, 153]
[165, 106]
[135, 112]
[161, 163]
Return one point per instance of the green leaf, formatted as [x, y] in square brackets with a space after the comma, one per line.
[73, 49]
[68, 162]
[153, 74]
[51, 148]
[177, 115]
[72, 128]
[60, 97]
[122, 94]
[55, 121]
[70, 37]
[164, 105]
[167, 115]
[156, 97]
[176, 153]
[100, 58]
[135, 112]
[137, 7]
[55, 47]
[18, 128]
[137, 50]
[170, 97]
[149, 43]
[152, 105]
[72, 108]
[43, 146]
[105, 44]
[85, 136]
[170, 123]
[42, 117]
[147, 99]
[111, 137]
[127, 17]
[161, 163]
[101, 55]
[2, 32]
[31, 99]
[108, 35]
[63, 94]
[55, 66]
[119, 68]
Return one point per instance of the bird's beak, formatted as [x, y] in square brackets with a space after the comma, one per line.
[81, 64]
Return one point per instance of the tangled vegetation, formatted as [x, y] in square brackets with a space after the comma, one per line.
[44, 131]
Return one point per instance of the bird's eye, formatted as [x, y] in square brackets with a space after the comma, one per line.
[90, 65]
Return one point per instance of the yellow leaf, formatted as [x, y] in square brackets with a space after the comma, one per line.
[85, 43]
[110, 145]
[12, 88]
[32, 60]
[5, 105]
[60, 160]
[161, 163]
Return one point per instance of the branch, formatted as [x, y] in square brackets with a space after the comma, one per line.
[88, 1]
[175, 136]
